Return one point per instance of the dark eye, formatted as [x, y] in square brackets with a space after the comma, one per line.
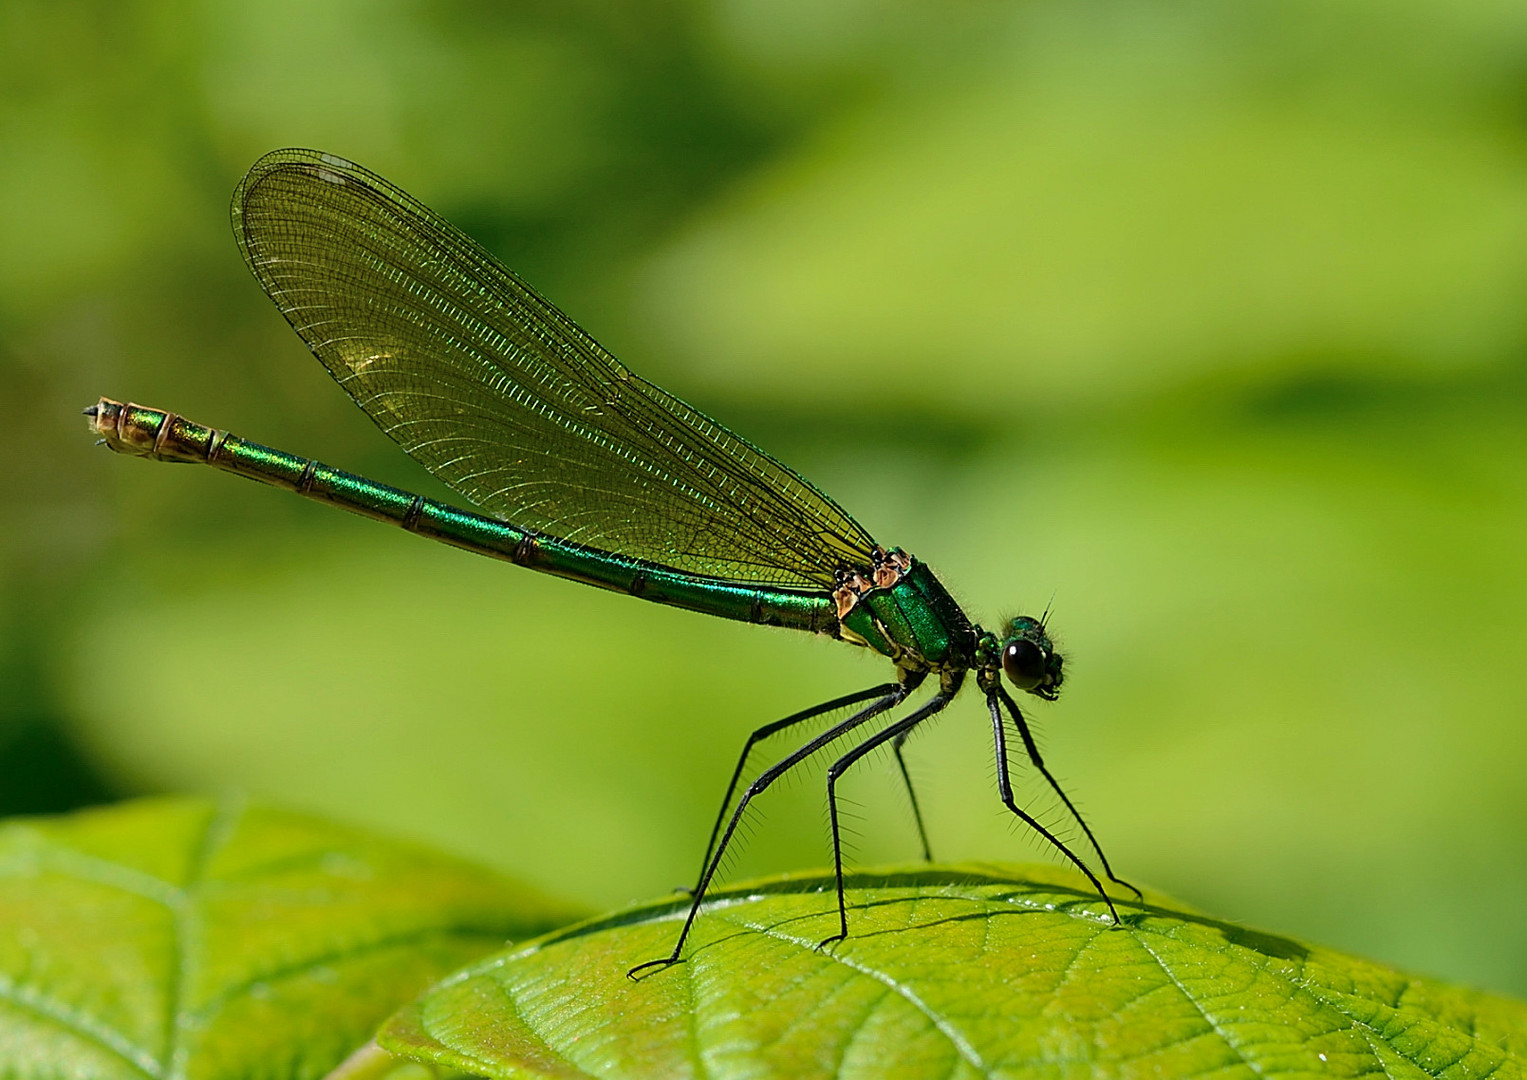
[1023, 663]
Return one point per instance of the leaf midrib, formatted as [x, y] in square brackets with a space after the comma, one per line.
[185, 913]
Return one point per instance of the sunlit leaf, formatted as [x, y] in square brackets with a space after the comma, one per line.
[177, 938]
[958, 971]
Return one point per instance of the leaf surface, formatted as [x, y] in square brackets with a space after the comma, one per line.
[173, 938]
[950, 972]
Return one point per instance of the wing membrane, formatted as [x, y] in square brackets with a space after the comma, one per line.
[502, 396]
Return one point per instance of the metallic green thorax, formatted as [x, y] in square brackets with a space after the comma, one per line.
[145, 432]
[914, 621]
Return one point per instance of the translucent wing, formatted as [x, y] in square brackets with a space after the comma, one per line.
[503, 397]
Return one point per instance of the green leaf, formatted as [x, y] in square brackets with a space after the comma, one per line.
[949, 972]
[177, 938]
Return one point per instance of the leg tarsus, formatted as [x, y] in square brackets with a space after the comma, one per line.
[665, 962]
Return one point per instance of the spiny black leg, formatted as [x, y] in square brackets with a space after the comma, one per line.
[1033, 752]
[906, 778]
[773, 729]
[1005, 790]
[893, 698]
[894, 732]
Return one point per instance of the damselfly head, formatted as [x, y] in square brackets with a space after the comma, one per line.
[1029, 659]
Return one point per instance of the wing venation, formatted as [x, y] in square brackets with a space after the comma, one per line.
[502, 396]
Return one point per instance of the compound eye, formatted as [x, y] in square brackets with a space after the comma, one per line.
[1023, 663]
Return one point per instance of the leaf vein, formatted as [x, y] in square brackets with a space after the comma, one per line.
[1214, 1027]
[958, 1041]
[337, 956]
[135, 1057]
[99, 871]
[514, 1005]
[1375, 1038]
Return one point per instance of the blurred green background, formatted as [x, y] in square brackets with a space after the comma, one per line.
[1207, 319]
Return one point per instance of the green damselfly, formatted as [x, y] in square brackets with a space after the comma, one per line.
[587, 471]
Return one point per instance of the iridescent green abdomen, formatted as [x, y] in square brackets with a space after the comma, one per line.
[145, 432]
[913, 619]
